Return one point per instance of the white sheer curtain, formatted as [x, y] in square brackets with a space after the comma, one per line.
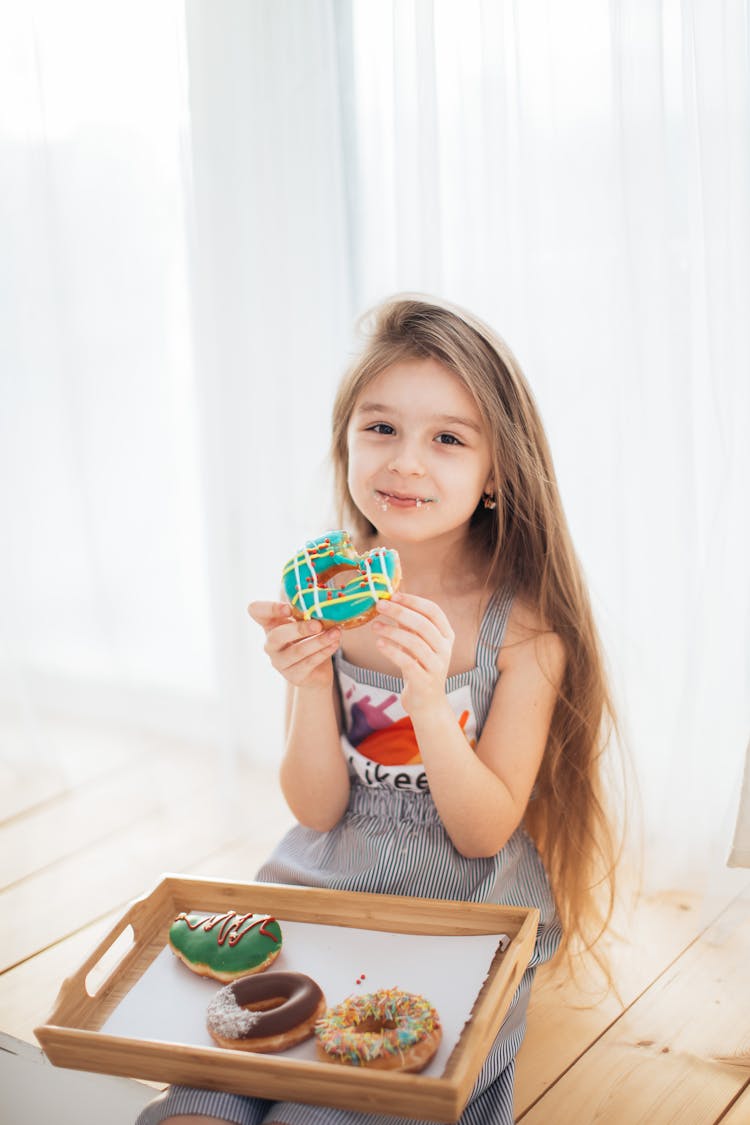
[197, 204]
[105, 604]
[177, 308]
[579, 174]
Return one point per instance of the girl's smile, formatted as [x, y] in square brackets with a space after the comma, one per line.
[418, 447]
[396, 500]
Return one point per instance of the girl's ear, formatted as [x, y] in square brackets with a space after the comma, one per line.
[489, 496]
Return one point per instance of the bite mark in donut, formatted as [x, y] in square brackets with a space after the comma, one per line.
[225, 946]
[265, 1014]
[386, 1030]
[307, 576]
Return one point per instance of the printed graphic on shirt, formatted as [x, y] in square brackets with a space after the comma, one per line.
[379, 740]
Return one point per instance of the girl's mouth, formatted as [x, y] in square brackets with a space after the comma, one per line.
[386, 500]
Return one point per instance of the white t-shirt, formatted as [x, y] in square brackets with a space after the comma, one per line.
[379, 741]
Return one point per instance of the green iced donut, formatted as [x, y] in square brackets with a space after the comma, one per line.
[225, 946]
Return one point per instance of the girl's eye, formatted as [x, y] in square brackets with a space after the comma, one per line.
[381, 428]
[448, 439]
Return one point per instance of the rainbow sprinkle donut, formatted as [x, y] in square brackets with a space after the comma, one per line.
[307, 575]
[387, 1030]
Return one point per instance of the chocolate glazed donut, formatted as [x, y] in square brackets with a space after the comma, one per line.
[268, 1012]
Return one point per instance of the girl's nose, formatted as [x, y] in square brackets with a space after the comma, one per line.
[406, 461]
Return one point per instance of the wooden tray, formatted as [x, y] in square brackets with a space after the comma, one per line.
[71, 1037]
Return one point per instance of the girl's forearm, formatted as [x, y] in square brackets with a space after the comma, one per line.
[314, 776]
[475, 806]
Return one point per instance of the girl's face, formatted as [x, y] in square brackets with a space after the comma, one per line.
[419, 454]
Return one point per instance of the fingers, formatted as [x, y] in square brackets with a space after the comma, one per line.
[395, 642]
[418, 615]
[303, 635]
[289, 632]
[427, 649]
[270, 614]
[295, 648]
[408, 606]
[297, 662]
[416, 635]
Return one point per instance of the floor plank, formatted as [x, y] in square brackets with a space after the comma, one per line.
[739, 1112]
[663, 1059]
[78, 819]
[566, 1016]
[84, 833]
[53, 756]
[28, 992]
[23, 788]
[191, 822]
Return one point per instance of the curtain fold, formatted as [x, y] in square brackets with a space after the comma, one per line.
[186, 253]
[739, 855]
[104, 558]
[272, 314]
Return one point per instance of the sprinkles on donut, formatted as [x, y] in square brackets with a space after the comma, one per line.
[386, 1030]
[307, 575]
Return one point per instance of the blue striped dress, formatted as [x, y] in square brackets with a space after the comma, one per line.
[392, 841]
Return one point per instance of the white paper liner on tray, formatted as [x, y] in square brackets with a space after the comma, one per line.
[168, 1003]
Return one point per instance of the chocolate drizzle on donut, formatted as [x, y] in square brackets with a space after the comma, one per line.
[229, 1017]
[231, 924]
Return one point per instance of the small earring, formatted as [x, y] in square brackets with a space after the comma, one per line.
[489, 500]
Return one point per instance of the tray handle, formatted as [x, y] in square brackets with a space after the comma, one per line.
[74, 995]
[517, 954]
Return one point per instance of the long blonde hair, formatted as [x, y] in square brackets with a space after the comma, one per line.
[528, 548]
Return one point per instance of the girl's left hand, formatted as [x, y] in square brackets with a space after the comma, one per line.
[416, 635]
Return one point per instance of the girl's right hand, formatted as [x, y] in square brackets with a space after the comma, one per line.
[300, 650]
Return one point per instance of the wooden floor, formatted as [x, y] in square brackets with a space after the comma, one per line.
[97, 821]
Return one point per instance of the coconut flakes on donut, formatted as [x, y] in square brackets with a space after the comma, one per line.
[228, 1018]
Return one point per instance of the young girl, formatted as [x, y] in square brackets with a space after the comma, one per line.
[429, 748]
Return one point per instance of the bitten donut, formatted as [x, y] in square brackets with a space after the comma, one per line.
[307, 575]
[267, 1013]
[225, 946]
[387, 1030]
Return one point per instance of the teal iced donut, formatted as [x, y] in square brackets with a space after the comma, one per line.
[307, 575]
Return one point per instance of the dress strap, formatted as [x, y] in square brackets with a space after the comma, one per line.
[492, 629]
[489, 641]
